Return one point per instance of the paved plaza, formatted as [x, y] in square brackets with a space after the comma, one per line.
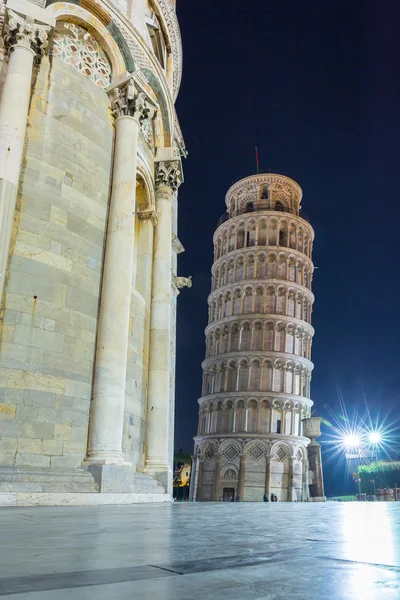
[201, 552]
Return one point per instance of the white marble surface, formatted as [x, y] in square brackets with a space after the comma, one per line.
[202, 551]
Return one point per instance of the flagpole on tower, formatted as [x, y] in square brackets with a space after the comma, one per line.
[257, 163]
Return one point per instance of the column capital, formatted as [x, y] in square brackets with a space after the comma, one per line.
[23, 31]
[128, 99]
[150, 215]
[168, 174]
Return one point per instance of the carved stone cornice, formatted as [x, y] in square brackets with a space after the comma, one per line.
[128, 99]
[168, 174]
[151, 215]
[25, 32]
[176, 244]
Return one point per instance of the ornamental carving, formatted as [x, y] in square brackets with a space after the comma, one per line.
[128, 100]
[23, 31]
[76, 47]
[169, 174]
[182, 282]
[150, 215]
[177, 245]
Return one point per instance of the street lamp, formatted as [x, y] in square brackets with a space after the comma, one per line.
[375, 438]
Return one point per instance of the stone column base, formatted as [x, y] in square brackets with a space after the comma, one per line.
[159, 471]
[317, 499]
[112, 479]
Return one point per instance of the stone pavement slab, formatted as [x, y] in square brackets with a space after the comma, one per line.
[202, 551]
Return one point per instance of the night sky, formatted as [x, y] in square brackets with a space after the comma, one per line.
[315, 85]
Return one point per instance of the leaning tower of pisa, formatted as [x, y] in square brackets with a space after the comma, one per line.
[257, 370]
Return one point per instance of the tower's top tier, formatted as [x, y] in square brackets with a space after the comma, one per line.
[266, 191]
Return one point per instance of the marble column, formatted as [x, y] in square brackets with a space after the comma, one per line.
[168, 179]
[317, 493]
[304, 479]
[242, 477]
[217, 477]
[312, 430]
[200, 471]
[193, 475]
[267, 490]
[106, 420]
[290, 481]
[25, 38]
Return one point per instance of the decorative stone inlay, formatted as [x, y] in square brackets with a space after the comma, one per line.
[182, 282]
[210, 453]
[76, 47]
[231, 452]
[23, 31]
[168, 174]
[256, 452]
[281, 454]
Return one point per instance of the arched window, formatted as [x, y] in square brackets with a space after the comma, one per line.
[239, 269]
[266, 377]
[245, 338]
[264, 417]
[279, 206]
[228, 305]
[240, 236]
[259, 300]
[250, 268]
[252, 417]
[232, 377]
[228, 418]
[236, 303]
[74, 45]
[248, 300]
[262, 233]
[225, 339]
[255, 373]
[257, 336]
[243, 376]
[231, 268]
[269, 337]
[235, 335]
[249, 207]
[220, 418]
[240, 416]
[264, 192]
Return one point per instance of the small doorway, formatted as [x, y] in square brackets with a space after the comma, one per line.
[228, 495]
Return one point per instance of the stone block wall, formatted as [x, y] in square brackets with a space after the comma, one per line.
[52, 287]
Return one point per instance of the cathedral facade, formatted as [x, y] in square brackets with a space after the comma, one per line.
[254, 414]
[90, 165]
